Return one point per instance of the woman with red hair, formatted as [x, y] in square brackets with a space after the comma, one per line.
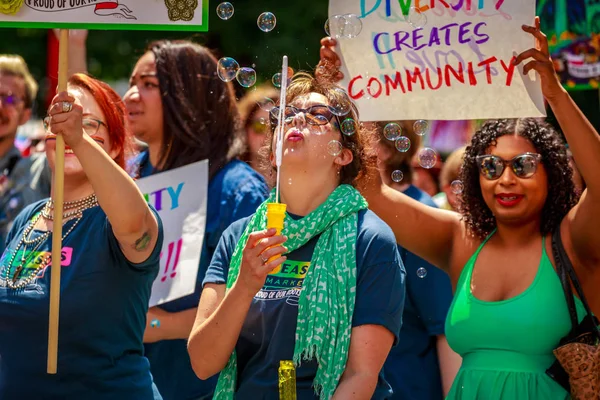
[110, 255]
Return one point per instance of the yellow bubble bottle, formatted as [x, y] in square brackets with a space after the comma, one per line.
[287, 380]
[275, 219]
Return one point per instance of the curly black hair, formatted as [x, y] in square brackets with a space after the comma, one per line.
[547, 142]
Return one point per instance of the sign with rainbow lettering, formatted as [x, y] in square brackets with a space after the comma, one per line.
[177, 15]
[436, 59]
[179, 196]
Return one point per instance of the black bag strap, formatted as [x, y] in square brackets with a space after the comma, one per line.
[564, 267]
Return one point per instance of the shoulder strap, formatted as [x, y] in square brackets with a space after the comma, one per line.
[564, 265]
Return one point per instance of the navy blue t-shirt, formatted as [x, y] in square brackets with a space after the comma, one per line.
[234, 192]
[103, 307]
[268, 334]
[412, 367]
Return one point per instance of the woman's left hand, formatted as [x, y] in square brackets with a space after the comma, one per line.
[66, 119]
[542, 62]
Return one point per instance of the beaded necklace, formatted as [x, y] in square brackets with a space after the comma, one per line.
[72, 209]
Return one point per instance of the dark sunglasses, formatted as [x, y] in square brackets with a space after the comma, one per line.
[10, 99]
[319, 114]
[91, 126]
[492, 167]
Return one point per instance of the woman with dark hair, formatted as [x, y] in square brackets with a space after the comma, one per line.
[178, 106]
[110, 258]
[509, 310]
[333, 304]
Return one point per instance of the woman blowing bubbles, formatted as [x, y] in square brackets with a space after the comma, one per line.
[342, 279]
[509, 310]
[109, 261]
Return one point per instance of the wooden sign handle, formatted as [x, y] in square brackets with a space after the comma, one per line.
[58, 190]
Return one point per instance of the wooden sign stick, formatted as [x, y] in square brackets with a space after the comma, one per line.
[59, 186]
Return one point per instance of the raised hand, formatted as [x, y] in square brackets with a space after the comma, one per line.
[542, 62]
[65, 118]
[330, 61]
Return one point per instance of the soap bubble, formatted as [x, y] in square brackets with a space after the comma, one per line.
[266, 21]
[416, 18]
[403, 144]
[346, 26]
[421, 127]
[392, 131]
[327, 27]
[246, 77]
[227, 69]
[421, 272]
[276, 80]
[266, 104]
[427, 157]
[348, 127]
[397, 176]
[457, 187]
[225, 10]
[340, 102]
[334, 148]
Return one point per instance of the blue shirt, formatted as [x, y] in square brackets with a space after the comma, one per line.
[234, 192]
[103, 307]
[268, 333]
[412, 366]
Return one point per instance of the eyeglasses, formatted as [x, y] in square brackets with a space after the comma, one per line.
[10, 99]
[319, 114]
[492, 167]
[259, 126]
[90, 125]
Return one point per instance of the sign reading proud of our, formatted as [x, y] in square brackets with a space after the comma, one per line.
[179, 197]
[176, 15]
[438, 59]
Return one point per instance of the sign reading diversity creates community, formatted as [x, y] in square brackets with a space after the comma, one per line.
[179, 196]
[178, 15]
[437, 59]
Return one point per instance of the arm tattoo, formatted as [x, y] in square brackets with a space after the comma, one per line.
[142, 243]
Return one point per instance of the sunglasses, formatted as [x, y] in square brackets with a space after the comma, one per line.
[259, 126]
[10, 99]
[524, 165]
[319, 114]
[91, 126]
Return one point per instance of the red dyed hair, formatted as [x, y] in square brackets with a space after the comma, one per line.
[114, 111]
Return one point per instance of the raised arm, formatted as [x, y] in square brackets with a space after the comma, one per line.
[134, 225]
[584, 142]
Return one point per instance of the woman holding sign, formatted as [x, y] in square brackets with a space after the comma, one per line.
[334, 303]
[509, 311]
[178, 106]
[110, 258]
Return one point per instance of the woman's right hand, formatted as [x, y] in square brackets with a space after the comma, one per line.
[255, 267]
[330, 62]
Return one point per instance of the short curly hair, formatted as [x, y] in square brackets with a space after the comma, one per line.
[547, 142]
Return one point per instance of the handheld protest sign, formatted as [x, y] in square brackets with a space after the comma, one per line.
[167, 15]
[436, 60]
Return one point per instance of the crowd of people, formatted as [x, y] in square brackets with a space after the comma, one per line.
[377, 287]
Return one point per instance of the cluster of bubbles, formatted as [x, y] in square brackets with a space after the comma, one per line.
[422, 272]
[228, 69]
[346, 26]
[457, 187]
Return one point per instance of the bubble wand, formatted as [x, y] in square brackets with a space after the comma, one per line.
[276, 211]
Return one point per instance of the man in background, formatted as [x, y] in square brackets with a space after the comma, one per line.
[23, 180]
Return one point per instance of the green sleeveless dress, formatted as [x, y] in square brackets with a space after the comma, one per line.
[507, 345]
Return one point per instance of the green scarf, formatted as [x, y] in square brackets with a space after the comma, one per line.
[326, 302]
